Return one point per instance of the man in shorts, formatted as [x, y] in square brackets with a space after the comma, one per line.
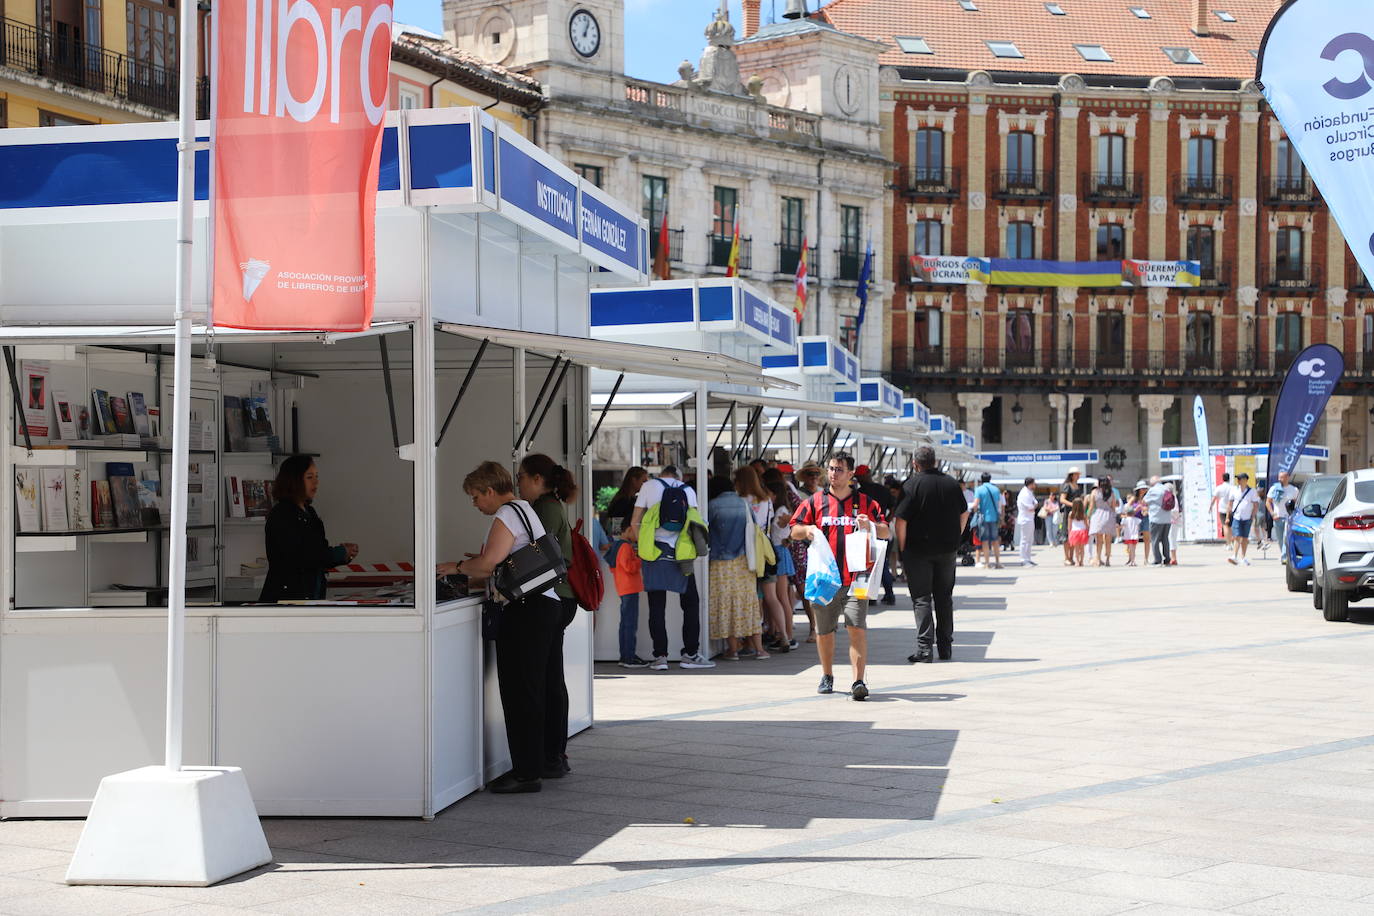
[834, 513]
[989, 510]
[1222, 497]
[1243, 508]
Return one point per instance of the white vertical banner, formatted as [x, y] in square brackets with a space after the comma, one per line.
[1198, 524]
[1316, 68]
[1203, 444]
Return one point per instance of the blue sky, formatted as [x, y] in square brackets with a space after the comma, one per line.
[659, 33]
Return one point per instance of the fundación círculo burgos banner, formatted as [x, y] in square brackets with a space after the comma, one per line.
[1316, 69]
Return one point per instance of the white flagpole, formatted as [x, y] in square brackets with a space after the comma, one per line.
[181, 388]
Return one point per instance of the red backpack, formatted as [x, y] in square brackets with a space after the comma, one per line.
[584, 572]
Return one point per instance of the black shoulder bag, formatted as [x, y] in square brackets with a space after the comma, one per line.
[534, 568]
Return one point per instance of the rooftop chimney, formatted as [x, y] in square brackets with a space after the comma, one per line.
[751, 17]
[1200, 18]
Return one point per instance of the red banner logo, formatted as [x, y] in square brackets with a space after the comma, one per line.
[300, 96]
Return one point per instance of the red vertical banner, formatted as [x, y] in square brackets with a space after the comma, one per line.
[300, 97]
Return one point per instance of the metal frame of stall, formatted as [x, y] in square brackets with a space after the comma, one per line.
[467, 247]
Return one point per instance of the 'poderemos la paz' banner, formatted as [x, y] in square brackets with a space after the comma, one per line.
[300, 96]
[1309, 384]
[1316, 68]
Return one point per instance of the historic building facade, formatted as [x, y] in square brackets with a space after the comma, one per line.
[1080, 131]
[776, 128]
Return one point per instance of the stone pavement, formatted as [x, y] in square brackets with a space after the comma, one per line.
[1184, 740]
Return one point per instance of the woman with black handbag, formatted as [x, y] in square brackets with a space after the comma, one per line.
[528, 620]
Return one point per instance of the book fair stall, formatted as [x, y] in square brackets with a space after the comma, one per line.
[377, 700]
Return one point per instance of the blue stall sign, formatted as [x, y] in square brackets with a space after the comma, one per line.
[1078, 457]
[537, 190]
[607, 231]
[757, 314]
[939, 423]
[440, 155]
[1174, 454]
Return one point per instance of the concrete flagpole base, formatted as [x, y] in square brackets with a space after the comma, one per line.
[158, 827]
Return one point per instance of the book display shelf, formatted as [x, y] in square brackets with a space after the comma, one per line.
[92, 515]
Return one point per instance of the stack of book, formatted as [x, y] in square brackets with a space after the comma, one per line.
[251, 577]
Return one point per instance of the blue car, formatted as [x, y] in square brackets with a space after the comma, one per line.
[1311, 507]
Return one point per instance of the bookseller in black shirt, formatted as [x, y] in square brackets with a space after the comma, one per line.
[930, 522]
[298, 553]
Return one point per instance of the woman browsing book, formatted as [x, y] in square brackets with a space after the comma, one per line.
[298, 553]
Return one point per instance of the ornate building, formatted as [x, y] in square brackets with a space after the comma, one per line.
[777, 129]
[1090, 130]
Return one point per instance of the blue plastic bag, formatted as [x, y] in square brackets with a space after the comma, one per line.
[822, 572]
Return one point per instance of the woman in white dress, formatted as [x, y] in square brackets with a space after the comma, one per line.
[1102, 523]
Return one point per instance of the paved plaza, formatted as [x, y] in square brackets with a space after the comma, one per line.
[1183, 740]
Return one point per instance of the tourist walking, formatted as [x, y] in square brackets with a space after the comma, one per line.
[1160, 501]
[1026, 505]
[1102, 522]
[624, 561]
[734, 606]
[989, 519]
[1279, 496]
[1069, 490]
[834, 513]
[929, 525]
[1242, 517]
[1220, 509]
[1077, 541]
[1049, 512]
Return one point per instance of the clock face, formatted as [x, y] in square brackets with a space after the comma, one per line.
[585, 33]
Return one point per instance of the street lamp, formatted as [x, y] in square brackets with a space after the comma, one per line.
[1106, 413]
[1017, 411]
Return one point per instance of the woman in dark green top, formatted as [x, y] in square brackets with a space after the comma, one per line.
[548, 486]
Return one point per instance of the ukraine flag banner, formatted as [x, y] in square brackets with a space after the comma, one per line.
[1020, 272]
[1161, 273]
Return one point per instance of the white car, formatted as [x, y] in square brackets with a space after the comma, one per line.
[1343, 547]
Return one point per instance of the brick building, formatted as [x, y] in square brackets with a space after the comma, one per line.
[1096, 130]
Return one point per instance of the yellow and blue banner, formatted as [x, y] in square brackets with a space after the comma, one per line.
[1023, 272]
[955, 269]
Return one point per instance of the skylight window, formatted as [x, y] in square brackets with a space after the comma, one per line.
[1004, 49]
[1225, 16]
[1181, 55]
[969, 5]
[1140, 12]
[1055, 9]
[1093, 52]
[911, 44]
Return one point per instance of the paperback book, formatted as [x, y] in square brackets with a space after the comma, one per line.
[27, 483]
[123, 420]
[66, 416]
[256, 408]
[233, 492]
[138, 410]
[235, 432]
[124, 492]
[101, 415]
[78, 500]
[102, 505]
[85, 423]
[149, 508]
[54, 499]
[256, 501]
[35, 394]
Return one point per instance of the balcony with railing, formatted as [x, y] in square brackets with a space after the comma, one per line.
[848, 263]
[1214, 276]
[1112, 187]
[791, 124]
[1291, 189]
[1203, 190]
[57, 56]
[674, 246]
[1294, 279]
[923, 182]
[665, 99]
[1066, 363]
[720, 250]
[1023, 184]
[1355, 280]
[789, 256]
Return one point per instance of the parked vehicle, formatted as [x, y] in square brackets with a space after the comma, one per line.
[1343, 547]
[1302, 521]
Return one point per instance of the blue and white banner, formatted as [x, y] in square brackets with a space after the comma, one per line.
[1316, 67]
[1309, 384]
[1200, 422]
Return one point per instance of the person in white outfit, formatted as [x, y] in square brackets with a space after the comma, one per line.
[1026, 504]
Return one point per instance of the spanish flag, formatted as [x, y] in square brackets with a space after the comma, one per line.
[799, 309]
[732, 265]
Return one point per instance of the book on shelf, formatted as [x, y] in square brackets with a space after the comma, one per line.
[256, 408]
[102, 505]
[101, 415]
[35, 394]
[85, 428]
[233, 492]
[78, 500]
[121, 440]
[138, 411]
[257, 498]
[149, 504]
[119, 597]
[54, 499]
[27, 484]
[235, 432]
[155, 423]
[124, 492]
[123, 419]
[66, 416]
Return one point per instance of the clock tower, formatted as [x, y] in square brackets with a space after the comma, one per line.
[559, 42]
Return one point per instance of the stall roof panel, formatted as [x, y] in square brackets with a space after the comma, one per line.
[115, 335]
[627, 357]
[713, 306]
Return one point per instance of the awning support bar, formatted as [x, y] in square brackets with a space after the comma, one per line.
[18, 399]
[830, 448]
[686, 442]
[815, 448]
[553, 395]
[538, 399]
[462, 390]
[729, 421]
[604, 408]
[390, 395]
[772, 432]
[748, 431]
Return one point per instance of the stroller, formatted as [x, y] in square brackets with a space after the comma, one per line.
[968, 545]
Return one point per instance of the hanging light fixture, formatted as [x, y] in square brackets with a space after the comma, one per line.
[1017, 412]
[1106, 412]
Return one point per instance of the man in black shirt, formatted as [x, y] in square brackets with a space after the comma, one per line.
[930, 522]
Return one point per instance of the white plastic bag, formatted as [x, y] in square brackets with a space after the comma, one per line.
[863, 582]
[822, 572]
[857, 550]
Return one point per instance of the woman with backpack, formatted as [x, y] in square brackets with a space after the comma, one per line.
[548, 486]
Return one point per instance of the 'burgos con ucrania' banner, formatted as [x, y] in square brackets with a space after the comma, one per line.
[957, 270]
[1306, 389]
[300, 96]
[1316, 68]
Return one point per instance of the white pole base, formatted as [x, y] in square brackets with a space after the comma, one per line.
[163, 828]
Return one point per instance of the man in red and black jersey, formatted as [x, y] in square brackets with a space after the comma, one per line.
[835, 512]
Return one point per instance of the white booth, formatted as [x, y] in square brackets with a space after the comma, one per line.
[377, 700]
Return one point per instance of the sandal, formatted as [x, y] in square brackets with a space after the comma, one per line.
[728, 657]
[762, 655]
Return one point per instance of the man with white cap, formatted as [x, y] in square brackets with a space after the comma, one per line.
[1070, 490]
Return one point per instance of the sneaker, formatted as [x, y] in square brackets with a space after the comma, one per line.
[1231, 560]
[1245, 562]
[747, 653]
[693, 661]
[635, 662]
[827, 684]
[660, 663]
[859, 691]
[792, 644]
